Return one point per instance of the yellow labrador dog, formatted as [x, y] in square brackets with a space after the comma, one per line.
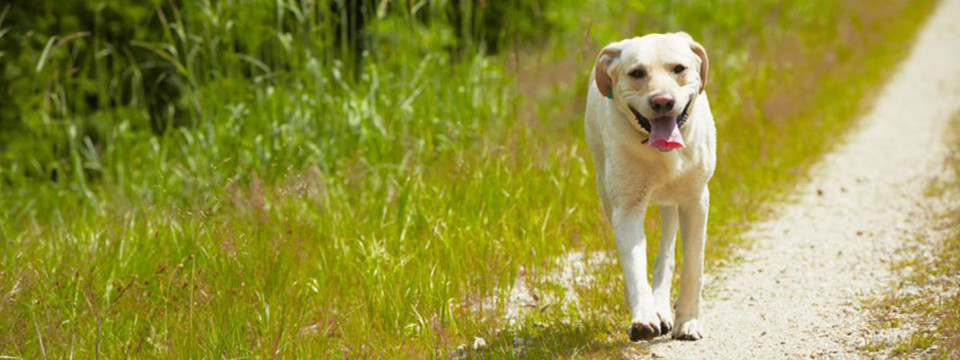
[653, 140]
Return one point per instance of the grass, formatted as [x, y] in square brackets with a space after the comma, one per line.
[292, 203]
[927, 296]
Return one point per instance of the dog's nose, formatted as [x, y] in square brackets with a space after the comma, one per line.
[662, 102]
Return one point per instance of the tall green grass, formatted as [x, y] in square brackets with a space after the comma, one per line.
[270, 194]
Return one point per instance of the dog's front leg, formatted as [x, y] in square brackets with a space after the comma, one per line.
[632, 246]
[693, 234]
[663, 266]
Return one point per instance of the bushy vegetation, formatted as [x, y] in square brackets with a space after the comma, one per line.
[305, 178]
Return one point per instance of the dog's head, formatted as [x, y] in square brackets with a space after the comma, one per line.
[654, 81]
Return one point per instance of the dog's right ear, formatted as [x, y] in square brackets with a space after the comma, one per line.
[601, 73]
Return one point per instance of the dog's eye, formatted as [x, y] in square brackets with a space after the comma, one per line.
[678, 69]
[636, 74]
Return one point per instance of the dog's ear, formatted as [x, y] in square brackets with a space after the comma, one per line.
[600, 72]
[704, 61]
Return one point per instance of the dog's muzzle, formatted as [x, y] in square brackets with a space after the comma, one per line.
[645, 124]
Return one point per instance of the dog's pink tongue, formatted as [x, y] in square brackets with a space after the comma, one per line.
[664, 134]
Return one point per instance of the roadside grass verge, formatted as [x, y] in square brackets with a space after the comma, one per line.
[928, 296]
[298, 204]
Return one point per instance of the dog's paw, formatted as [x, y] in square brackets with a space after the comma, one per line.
[666, 321]
[688, 329]
[644, 330]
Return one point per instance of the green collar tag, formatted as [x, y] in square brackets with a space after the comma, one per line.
[610, 94]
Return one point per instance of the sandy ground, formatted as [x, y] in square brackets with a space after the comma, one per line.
[798, 292]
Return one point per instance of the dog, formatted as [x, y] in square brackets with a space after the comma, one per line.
[652, 137]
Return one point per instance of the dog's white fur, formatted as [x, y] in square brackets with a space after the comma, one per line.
[631, 174]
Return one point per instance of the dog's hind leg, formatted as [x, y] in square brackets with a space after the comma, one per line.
[663, 266]
[693, 233]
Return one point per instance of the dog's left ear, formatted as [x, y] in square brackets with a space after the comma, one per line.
[702, 54]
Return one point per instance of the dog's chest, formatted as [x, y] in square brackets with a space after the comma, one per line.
[673, 176]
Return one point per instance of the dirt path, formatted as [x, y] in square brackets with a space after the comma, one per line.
[798, 292]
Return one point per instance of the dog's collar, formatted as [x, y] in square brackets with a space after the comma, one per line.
[645, 124]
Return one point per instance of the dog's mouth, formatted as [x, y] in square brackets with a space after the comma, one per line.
[664, 131]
